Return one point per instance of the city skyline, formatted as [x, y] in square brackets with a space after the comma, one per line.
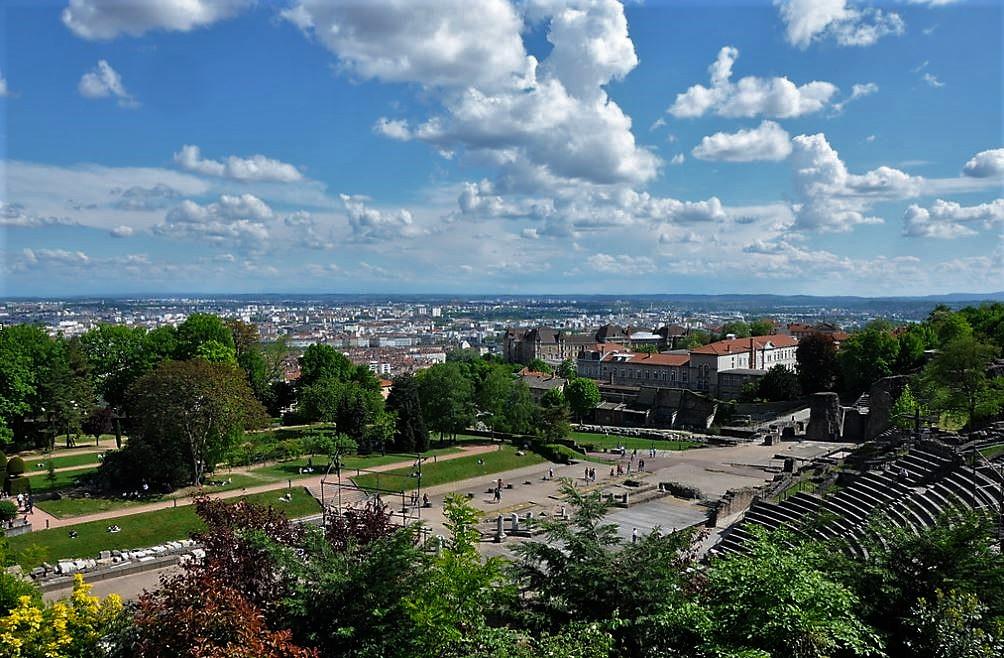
[827, 148]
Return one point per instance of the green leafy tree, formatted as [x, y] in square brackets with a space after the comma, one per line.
[410, 434]
[567, 369]
[201, 328]
[777, 600]
[761, 327]
[866, 357]
[540, 365]
[216, 352]
[948, 325]
[493, 394]
[956, 379]
[447, 399]
[66, 396]
[461, 588]
[193, 408]
[904, 409]
[912, 344]
[519, 412]
[737, 327]
[780, 383]
[323, 362]
[816, 363]
[553, 397]
[118, 356]
[551, 421]
[953, 625]
[582, 395]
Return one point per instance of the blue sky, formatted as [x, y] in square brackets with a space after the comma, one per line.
[478, 146]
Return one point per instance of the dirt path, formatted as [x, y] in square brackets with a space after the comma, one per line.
[39, 517]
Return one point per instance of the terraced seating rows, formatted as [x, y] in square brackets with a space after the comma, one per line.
[913, 493]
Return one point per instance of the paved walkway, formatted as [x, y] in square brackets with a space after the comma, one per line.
[39, 517]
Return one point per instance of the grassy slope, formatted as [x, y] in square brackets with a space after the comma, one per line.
[452, 470]
[69, 507]
[612, 441]
[138, 530]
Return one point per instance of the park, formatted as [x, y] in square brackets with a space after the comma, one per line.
[187, 475]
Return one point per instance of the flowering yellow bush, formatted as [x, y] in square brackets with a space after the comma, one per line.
[69, 628]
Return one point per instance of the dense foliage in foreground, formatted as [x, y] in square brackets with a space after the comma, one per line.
[366, 588]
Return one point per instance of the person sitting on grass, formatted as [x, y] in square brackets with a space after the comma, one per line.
[73, 534]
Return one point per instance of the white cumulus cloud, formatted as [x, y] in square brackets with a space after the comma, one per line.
[253, 168]
[811, 20]
[373, 225]
[948, 219]
[985, 164]
[768, 141]
[104, 81]
[107, 19]
[541, 124]
[831, 199]
[751, 96]
[623, 264]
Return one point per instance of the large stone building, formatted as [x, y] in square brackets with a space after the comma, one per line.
[719, 369]
[521, 345]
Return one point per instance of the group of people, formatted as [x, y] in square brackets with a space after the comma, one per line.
[25, 503]
[113, 529]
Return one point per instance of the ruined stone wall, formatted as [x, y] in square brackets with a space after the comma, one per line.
[825, 417]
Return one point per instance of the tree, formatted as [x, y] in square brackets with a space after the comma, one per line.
[198, 616]
[737, 327]
[948, 326]
[100, 421]
[567, 369]
[956, 379]
[552, 421]
[540, 365]
[912, 344]
[777, 600]
[493, 393]
[410, 434]
[553, 397]
[582, 395]
[519, 412]
[118, 355]
[762, 327]
[216, 352]
[816, 363]
[866, 357]
[904, 410]
[447, 398]
[323, 361]
[193, 408]
[954, 625]
[66, 396]
[201, 328]
[780, 383]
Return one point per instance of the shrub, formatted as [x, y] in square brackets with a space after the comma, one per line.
[15, 466]
[17, 486]
[8, 511]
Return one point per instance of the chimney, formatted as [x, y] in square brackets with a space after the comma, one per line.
[752, 355]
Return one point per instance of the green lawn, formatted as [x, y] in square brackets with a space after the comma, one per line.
[65, 508]
[608, 441]
[452, 470]
[40, 482]
[990, 452]
[291, 469]
[38, 464]
[138, 530]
